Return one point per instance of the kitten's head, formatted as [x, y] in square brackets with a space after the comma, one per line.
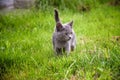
[64, 31]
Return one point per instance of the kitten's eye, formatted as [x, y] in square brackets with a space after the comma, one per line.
[66, 34]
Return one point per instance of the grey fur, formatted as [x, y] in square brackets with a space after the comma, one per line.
[64, 39]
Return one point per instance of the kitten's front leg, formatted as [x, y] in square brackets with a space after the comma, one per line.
[58, 51]
[68, 48]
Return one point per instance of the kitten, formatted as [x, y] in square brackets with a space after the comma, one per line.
[64, 39]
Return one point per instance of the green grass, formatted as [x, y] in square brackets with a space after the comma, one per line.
[26, 48]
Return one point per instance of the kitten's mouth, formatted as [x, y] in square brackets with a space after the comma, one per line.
[65, 40]
[69, 38]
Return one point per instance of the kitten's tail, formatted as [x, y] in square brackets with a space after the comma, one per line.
[56, 16]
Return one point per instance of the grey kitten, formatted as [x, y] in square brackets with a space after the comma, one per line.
[64, 39]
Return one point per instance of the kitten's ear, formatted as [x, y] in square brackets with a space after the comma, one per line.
[59, 26]
[70, 23]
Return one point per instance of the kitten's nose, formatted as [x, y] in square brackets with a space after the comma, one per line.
[69, 38]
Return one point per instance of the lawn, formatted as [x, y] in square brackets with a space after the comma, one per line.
[26, 51]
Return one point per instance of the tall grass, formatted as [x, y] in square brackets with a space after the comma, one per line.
[26, 49]
[76, 5]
